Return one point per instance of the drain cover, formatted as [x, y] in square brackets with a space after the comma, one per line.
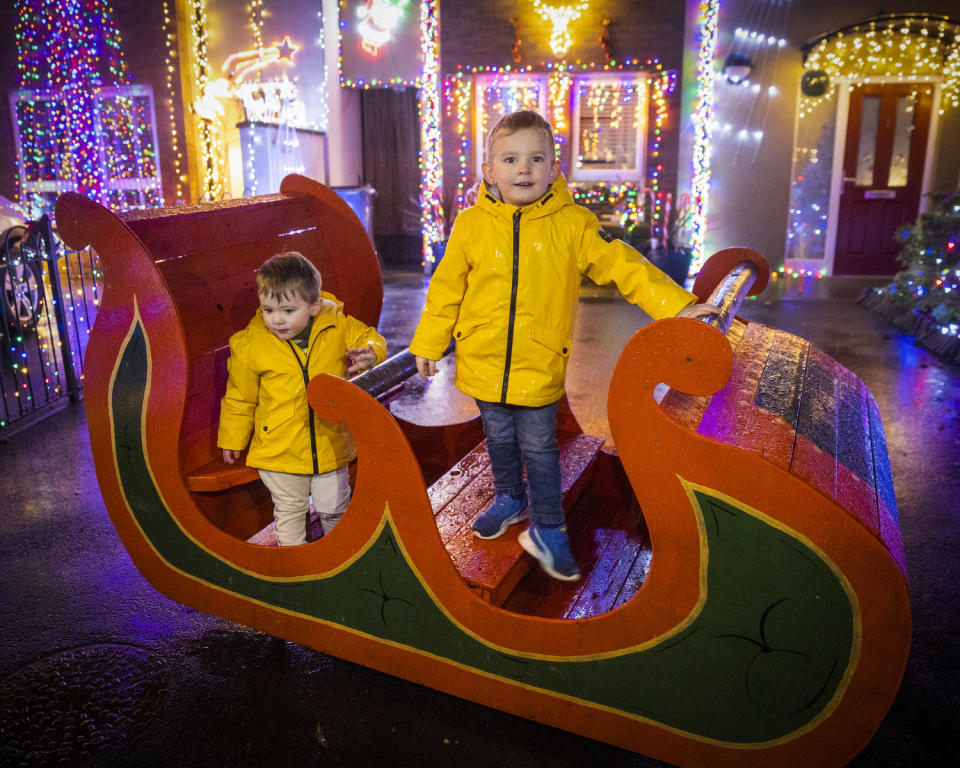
[66, 706]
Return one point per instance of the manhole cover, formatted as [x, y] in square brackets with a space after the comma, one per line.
[66, 706]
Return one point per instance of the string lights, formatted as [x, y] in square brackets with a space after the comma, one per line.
[702, 123]
[506, 89]
[627, 202]
[80, 125]
[915, 49]
[256, 13]
[660, 88]
[908, 47]
[211, 150]
[560, 17]
[458, 95]
[430, 159]
[374, 37]
[170, 72]
[558, 93]
[431, 154]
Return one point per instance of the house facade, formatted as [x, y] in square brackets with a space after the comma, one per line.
[784, 139]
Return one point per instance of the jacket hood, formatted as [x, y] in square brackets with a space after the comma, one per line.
[330, 307]
[556, 198]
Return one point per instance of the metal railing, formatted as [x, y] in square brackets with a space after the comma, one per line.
[49, 301]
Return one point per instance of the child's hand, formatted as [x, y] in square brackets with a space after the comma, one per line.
[426, 368]
[359, 360]
[231, 456]
[698, 311]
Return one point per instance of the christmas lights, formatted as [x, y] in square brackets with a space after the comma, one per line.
[626, 201]
[493, 91]
[238, 66]
[170, 70]
[661, 86]
[559, 95]
[702, 122]
[370, 35]
[431, 155]
[256, 13]
[458, 94]
[79, 124]
[751, 35]
[560, 17]
[906, 47]
[378, 21]
[211, 150]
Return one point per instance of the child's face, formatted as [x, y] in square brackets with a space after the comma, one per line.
[522, 166]
[288, 316]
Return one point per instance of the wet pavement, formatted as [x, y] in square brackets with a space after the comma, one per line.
[100, 670]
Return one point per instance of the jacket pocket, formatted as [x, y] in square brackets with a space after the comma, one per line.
[465, 328]
[268, 422]
[554, 340]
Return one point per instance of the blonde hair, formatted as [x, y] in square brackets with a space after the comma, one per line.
[518, 121]
[289, 273]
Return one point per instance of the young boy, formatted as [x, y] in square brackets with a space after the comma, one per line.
[297, 332]
[508, 288]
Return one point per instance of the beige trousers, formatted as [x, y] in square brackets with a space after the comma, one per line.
[291, 494]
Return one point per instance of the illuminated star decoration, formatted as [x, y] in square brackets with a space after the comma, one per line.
[240, 65]
[560, 17]
[378, 20]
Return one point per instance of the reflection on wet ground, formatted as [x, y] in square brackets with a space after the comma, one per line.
[240, 698]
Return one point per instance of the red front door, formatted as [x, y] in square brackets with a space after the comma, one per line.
[883, 170]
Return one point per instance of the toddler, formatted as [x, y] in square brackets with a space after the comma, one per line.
[298, 332]
[507, 289]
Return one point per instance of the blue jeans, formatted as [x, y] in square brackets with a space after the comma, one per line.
[516, 432]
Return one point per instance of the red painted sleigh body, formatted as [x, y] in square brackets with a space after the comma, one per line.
[755, 614]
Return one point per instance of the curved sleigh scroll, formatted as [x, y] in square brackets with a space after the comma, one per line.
[813, 615]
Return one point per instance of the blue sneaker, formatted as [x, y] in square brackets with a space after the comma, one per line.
[552, 548]
[504, 512]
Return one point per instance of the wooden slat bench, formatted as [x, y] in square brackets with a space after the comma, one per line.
[801, 410]
[792, 404]
[494, 567]
[610, 541]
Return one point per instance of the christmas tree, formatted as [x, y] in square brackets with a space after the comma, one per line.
[81, 124]
[924, 298]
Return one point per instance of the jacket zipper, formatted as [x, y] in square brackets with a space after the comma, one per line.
[306, 380]
[513, 305]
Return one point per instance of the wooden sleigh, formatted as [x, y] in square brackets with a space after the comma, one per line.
[755, 614]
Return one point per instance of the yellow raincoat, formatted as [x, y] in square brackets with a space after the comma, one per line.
[507, 289]
[267, 393]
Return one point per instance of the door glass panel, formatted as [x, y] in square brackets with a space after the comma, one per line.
[900, 160]
[867, 149]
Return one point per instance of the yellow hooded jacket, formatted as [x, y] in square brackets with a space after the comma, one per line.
[508, 286]
[267, 393]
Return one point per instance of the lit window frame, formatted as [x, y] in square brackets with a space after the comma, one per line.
[481, 84]
[52, 188]
[641, 81]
